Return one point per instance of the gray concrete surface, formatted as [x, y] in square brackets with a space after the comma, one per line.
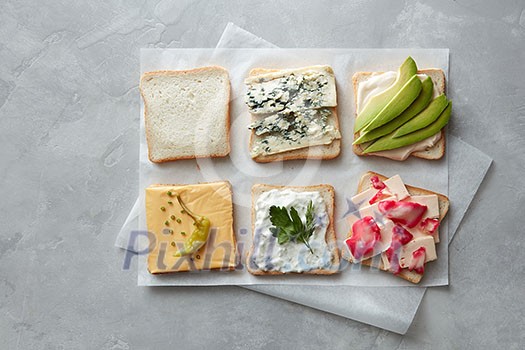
[69, 146]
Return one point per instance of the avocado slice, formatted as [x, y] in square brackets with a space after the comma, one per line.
[401, 101]
[388, 142]
[427, 88]
[425, 118]
[378, 102]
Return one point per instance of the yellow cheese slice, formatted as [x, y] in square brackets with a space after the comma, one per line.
[432, 203]
[405, 257]
[395, 190]
[213, 200]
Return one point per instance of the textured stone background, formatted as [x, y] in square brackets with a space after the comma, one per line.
[69, 146]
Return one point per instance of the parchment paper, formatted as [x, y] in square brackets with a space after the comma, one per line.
[343, 172]
[394, 309]
[389, 308]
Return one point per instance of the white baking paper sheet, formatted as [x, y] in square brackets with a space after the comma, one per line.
[392, 309]
[343, 172]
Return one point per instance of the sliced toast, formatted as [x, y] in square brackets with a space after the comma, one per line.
[328, 194]
[186, 113]
[329, 151]
[435, 152]
[171, 227]
[444, 204]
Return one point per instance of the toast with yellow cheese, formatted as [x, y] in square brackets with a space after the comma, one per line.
[309, 249]
[190, 227]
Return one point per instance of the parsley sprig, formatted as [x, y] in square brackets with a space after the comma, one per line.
[288, 227]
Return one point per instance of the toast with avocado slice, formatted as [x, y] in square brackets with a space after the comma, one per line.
[429, 148]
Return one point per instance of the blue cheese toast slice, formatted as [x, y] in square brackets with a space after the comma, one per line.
[293, 114]
[268, 257]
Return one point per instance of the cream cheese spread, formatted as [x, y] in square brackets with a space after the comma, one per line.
[269, 255]
[403, 153]
[378, 83]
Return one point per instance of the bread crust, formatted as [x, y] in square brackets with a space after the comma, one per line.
[444, 204]
[319, 152]
[433, 153]
[186, 72]
[328, 192]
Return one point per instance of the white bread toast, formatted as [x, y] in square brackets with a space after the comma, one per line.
[329, 151]
[435, 152]
[328, 194]
[211, 199]
[444, 204]
[186, 113]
